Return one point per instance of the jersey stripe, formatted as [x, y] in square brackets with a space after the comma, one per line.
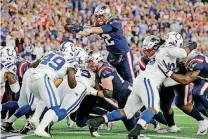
[21, 68]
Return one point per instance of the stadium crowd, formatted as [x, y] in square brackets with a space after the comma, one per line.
[37, 25]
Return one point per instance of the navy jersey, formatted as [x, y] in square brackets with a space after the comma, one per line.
[199, 62]
[114, 37]
[22, 66]
[120, 87]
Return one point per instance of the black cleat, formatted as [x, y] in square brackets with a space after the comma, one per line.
[93, 125]
[8, 127]
[26, 128]
[135, 132]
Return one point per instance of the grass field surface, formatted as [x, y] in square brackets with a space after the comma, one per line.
[60, 130]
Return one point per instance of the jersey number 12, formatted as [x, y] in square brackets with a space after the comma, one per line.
[107, 38]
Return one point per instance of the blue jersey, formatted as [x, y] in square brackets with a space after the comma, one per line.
[199, 62]
[120, 87]
[114, 37]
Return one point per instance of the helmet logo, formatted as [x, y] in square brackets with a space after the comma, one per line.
[9, 53]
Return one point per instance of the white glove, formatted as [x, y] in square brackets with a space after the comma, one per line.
[164, 68]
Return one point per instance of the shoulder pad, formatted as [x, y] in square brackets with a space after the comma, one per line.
[105, 70]
[113, 20]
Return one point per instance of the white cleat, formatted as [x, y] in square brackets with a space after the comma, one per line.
[69, 122]
[95, 134]
[41, 133]
[34, 123]
[203, 125]
[172, 129]
[140, 137]
[157, 127]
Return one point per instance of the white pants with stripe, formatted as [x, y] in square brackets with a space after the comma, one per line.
[26, 97]
[71, 98]
[43, 88]
[145, 93]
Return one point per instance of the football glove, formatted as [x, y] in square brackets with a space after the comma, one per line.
[164, 68]
[73, 28]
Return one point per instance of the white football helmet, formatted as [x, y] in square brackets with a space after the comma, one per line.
[150, 42]
[102, 13]
[67, 50]
[94, 60]
[8, 54]
[81, 56]
[173, 39]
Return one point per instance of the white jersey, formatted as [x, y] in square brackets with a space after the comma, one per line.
[169, 55]
[54, 65]
[86, 77]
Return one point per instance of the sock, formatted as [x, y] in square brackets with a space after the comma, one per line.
[10, 105]
[195, 114]
[12, 119]
[38, 111]
[146, 117]
[49, 116]
[170, 119]
[201, 108]
[113, 116]
[25, 109]
[160, 118]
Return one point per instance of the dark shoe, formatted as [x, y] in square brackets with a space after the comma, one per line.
[8, 127]
[93, 125]
[135, 132]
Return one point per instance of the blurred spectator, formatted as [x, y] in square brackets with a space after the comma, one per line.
[37, 26]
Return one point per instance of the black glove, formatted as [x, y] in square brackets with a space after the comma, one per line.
[73, 28]
[164, 68]
[192, 46]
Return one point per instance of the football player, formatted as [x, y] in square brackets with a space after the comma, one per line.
[110, 29]
[197, 67]
[52, 66]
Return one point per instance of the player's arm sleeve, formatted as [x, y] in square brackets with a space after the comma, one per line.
[177, 52]
[110, 27]
[13, 83]
[143, 62]
[106, 79]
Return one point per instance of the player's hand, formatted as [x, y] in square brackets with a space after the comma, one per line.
[73, 28]
[164, 68]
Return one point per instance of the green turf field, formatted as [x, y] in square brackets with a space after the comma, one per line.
[60, 131]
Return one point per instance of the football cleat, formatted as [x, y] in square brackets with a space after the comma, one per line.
[172, 129]
[7, 127]
[26, 128]
[110, 126]
[41, 133]
[203, 125]
[94, 124]
[135, 132]
[140, 137]
[69, 122]
[48, 128]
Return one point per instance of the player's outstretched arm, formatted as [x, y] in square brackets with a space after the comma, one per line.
[71, 78]
[185, 79]
[90, 30]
